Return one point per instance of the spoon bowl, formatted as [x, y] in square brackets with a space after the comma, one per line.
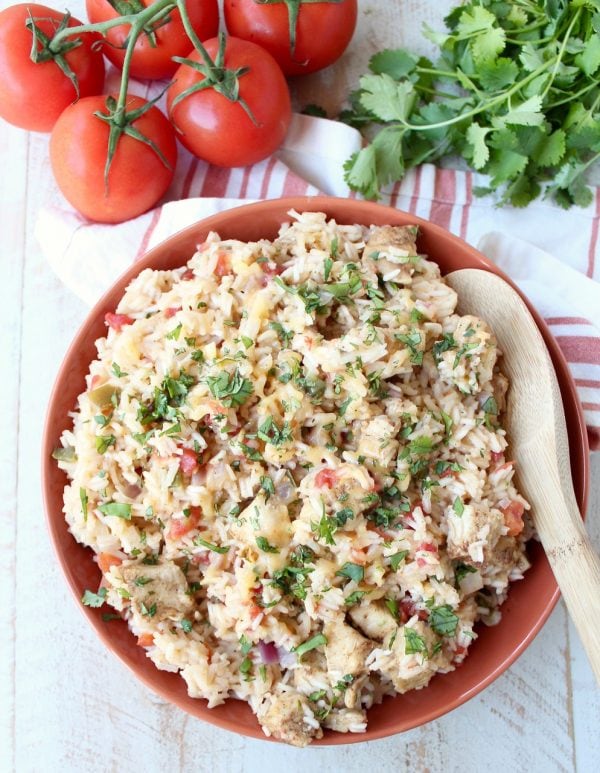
[537, 429]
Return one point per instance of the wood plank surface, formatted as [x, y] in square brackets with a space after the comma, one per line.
[68, 705]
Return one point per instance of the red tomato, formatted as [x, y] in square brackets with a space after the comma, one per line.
[326, 477]
[145, 640]
[172, 311]
[117, 321]
[181, 526]
[137, 178]
[106, 560]
[34, 94]
[188, 461]
[323, 30]
[513, 518]
[152, 53]
[219, 130]
[223, 267]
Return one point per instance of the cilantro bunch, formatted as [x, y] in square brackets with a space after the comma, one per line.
[515, 91]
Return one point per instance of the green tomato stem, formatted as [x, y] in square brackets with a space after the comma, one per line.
[197, 43]
[160, 7]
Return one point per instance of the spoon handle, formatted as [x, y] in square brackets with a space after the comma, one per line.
[576, 567]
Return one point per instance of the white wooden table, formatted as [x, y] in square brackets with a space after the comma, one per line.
[68, 705]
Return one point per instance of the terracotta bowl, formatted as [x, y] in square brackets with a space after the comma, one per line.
[529, 602]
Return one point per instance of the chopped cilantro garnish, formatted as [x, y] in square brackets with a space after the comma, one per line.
[343, 515]
[317, 641]
[352, 571]
[231, 389]
[118, 509]
[117, 370]
[186, 625]
[413, 642]
[174, 334]
[461, 570]
[148, 611]
[355, 597]
[267, 485]
[83, 498]
[328, 265]
[412, 340]
[443, 620]
[253, 454]
[104, 442]
[464, 350]
[269, 432]
[392, 607]
[397, 559]
[96, 600]
[264, 545]
[443, 345]
[211, 546]
[458, 506]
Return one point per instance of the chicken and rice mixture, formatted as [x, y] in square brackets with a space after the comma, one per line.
[289, 463]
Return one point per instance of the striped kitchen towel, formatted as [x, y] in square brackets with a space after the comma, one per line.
[552, 254]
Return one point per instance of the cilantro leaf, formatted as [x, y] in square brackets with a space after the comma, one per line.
[232, 389]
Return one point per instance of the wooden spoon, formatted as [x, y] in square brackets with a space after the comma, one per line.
[536, 427]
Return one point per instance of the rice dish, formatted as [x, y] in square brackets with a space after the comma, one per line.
[290, 465]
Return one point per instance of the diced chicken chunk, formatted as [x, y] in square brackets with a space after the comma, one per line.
[473, 535]
[161, 588]
[346, 650]
[285, 719]
[377, 441]
[373, 620]
[388, 249]
[413, 670]
[346, 721]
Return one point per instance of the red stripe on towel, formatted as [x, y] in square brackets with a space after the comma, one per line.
[464, 220]
[590, 383]
[414, 199]
[148, 233]
[294, 185]
[567, 321]
[189, 178]
[443, 197]
[580, 348]
[264, 189]
[215, 182]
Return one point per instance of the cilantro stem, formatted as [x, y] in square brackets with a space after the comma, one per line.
[561, 52]
[484, 106]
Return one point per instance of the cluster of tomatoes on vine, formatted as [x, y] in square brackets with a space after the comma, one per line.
[113, 155]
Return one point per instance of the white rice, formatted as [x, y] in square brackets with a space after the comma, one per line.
[298, 441]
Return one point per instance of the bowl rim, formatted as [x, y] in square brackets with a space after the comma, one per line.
[321, 204]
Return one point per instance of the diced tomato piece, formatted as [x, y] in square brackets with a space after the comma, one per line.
[188, 461]
[408, 608]
[172, 311]
[106, 560]
[95, 382]
[117, 321]
[429, 547]
[326, 477]
[271, 269]
[496, 456]
[181, 526]
[255, 611]
[145, 640]
[513, 517]
[187, 275]
[223, 266]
